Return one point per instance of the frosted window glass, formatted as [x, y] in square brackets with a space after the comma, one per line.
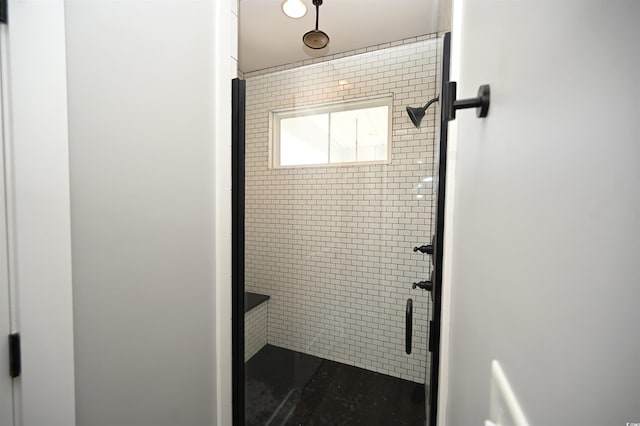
[359, 135]
[304, 140]
[343, 132]
[373, 131]
[343, 137]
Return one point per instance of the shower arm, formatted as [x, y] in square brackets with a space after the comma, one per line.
[431, 101]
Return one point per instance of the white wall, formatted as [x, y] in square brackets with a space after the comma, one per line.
[142, 113]
[332, 246]
[546, 218]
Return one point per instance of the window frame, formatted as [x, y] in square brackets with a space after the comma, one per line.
[275, 116]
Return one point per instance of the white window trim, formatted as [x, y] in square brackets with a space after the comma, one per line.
[276, 115]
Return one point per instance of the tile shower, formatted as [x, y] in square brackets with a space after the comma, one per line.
[332, 245]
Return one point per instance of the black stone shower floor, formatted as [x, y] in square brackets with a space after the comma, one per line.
[285, 387]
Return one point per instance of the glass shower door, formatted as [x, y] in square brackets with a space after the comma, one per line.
[328, 261]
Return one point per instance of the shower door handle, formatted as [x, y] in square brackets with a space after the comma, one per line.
[408, 326]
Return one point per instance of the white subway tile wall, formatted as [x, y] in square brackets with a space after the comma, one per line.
[332, 245]
[255, 330]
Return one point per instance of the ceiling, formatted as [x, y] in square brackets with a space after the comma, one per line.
[267, 37]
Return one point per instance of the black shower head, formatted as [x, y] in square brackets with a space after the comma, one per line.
[416, 114]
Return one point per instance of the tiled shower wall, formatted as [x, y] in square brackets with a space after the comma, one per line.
[255, 330]
[332, 245]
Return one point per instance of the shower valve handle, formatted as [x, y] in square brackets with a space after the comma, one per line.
[428, 249]
[424, 285]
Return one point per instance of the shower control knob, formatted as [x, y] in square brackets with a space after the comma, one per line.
[428, 249]
[424, 285]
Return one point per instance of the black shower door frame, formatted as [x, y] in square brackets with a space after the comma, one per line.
[238, 93]
[438, 249]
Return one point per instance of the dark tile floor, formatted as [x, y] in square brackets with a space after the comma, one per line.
[285, 387]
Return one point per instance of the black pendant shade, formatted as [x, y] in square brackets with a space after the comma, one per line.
[316, 39]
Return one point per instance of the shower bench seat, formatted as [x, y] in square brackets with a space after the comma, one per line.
[256, 307]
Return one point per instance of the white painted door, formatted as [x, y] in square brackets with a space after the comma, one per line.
[544, 212]
[6, 388]
[35, 258]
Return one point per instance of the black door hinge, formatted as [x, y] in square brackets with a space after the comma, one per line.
[15, 355]
[3, 11]
[431, 336]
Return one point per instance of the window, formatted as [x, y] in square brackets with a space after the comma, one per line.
[340, 133]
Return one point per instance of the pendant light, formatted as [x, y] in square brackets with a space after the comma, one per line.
[316, 39]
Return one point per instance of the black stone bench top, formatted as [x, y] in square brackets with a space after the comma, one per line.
[251, 300]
